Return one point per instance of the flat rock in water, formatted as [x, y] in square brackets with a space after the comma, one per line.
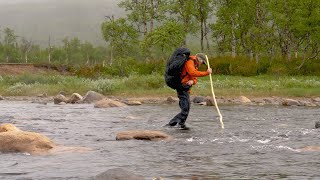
[142, 135]
[117, 174]
[133, 103]
[290, 102]
[106, 103]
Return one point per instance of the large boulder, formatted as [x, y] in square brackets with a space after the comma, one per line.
[92, 96]
[106, 103]
[1, 98]
[75, 98]
[142, 135]
[117, 174]
[12, 139]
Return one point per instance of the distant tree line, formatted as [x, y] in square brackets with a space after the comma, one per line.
[17, 49]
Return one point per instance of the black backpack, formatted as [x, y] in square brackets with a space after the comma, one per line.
[174, 67]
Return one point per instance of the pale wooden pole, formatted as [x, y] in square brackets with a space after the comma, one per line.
[214, 97]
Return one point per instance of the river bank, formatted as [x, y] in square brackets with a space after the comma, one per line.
[200, 100]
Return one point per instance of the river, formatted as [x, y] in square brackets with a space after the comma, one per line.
[258, 142]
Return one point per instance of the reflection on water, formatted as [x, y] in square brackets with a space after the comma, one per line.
[258, 142]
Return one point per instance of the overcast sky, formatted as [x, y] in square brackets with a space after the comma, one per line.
[36, 20]
[21, 1]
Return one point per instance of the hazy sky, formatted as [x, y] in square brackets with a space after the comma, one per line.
[21, 1]
[36, 20]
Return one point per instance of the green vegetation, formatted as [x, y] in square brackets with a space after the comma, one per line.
[153, 85]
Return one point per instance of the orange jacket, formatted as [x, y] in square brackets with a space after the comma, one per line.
[190, 71]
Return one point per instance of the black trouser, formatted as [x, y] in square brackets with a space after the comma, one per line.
[184, 103]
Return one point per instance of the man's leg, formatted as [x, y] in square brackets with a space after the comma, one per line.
[184, 103]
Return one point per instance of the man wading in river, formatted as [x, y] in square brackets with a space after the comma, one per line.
[181, 74]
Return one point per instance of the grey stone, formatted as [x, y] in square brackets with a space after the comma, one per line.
[92, 96]
[317, 125]
[199, 99]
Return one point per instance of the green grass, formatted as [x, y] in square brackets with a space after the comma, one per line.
[153, 85]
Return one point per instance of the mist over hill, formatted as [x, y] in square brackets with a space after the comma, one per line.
[36, 20]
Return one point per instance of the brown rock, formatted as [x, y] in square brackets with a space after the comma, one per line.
[171, 99]
[290, 102]
[75, 98]
[209, 101]
[59, 98]
[142, 135]
[244, 100]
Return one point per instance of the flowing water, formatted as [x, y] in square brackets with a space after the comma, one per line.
[258, 142]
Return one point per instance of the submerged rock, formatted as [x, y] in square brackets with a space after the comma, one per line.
[142, 135]
[118, 174]
[12, 139]
[317, 125]
[132, 103]
[310, 148]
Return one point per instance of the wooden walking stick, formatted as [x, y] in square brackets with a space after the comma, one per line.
[214, 97]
